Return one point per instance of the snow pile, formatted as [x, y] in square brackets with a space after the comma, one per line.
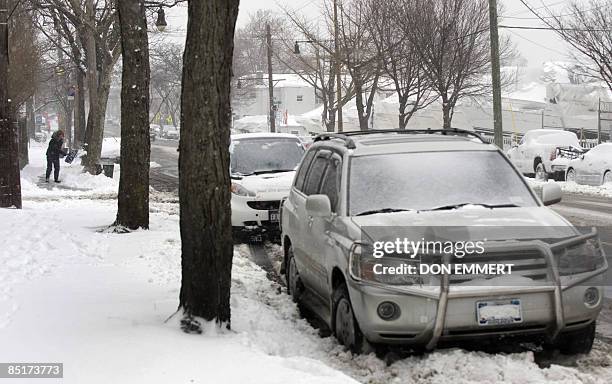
[572, 187]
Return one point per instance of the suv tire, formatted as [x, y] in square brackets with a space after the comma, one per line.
[577, 342]
[345, 326]
[294, 283]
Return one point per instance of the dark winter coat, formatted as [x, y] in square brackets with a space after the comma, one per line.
[56, 145]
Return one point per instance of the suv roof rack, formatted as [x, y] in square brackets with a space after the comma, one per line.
[350, 143]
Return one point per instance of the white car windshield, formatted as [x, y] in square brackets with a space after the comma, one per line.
[265, 155]
[434, 181]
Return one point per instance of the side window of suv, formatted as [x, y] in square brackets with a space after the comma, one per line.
[315, 174]
[331, 181]
[301, 175]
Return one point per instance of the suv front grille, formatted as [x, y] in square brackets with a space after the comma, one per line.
[264, 205]
[526, 263]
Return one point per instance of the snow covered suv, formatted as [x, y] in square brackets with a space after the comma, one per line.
[538, 148]
[262, 169]
[355, 189]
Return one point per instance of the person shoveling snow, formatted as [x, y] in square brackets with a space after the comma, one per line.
[54, 152]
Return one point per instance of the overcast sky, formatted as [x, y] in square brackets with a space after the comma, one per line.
[534, 45]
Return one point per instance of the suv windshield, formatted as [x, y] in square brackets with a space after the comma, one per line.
[265, 155]
[434, 180]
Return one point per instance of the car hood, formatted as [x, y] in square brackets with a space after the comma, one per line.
[468, 223]
[268, 184]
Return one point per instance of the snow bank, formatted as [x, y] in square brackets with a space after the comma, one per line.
[572, 187]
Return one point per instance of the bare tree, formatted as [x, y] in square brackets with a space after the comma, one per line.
[204, 181]
[401, 63]
[95, 25]
[166, 71]
[317, 67]
[133, 197]
[360, 57]
[452, 41]
[587, 27]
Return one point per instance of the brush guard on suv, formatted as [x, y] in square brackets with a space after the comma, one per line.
[547, 250]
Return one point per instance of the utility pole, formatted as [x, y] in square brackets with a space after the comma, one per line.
[10, 183]
[599, 121]
[270, 79]
[496, 76]
[338, 67]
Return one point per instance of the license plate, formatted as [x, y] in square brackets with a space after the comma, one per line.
[273, 216]
[499, 312]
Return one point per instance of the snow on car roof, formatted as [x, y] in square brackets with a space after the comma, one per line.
[263, 135]
[400, 143]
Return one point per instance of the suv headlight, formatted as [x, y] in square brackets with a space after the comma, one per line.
[580, 258]
[386, 270]
[239, 190]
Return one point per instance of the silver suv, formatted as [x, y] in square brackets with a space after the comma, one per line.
[356, 191]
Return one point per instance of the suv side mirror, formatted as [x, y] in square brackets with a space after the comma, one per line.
[551, 194]
[318, 206]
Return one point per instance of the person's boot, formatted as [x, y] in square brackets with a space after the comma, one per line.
[58, 181]
[46, 179]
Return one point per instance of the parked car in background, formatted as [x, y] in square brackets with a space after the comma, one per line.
[40, 137]
[593, 167]
[537, 149]
[262, 169]
[562, 157]
[171, 134]
[351, 191]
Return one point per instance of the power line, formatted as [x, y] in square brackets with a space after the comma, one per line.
[535, 43]
[553, 29]
[544, 6]
[556, 16]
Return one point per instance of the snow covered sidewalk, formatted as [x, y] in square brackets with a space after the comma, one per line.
[97, 302]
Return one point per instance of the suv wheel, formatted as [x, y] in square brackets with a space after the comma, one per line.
[345, 324]
[540, 172]
[294, 284]
[576, 342]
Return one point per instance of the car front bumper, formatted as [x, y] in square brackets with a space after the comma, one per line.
[429, 315]
[255, 218]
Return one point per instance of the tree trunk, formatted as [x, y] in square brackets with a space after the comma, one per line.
[24, 142]
[133, 197]
[402, 114]
[30, 117]
[95, 125]
[93, 129]
[79, 107]
[204, 182]
[446, 114]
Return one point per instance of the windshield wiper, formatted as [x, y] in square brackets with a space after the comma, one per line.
[383, 210]
[455, 206]
[271, 171]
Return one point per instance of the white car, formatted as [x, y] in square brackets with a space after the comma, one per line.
[172, 134]
[537, 149]
[262, 170]
[561, 160]
[593, 167]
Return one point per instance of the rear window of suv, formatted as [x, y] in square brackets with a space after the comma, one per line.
[429, 180]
